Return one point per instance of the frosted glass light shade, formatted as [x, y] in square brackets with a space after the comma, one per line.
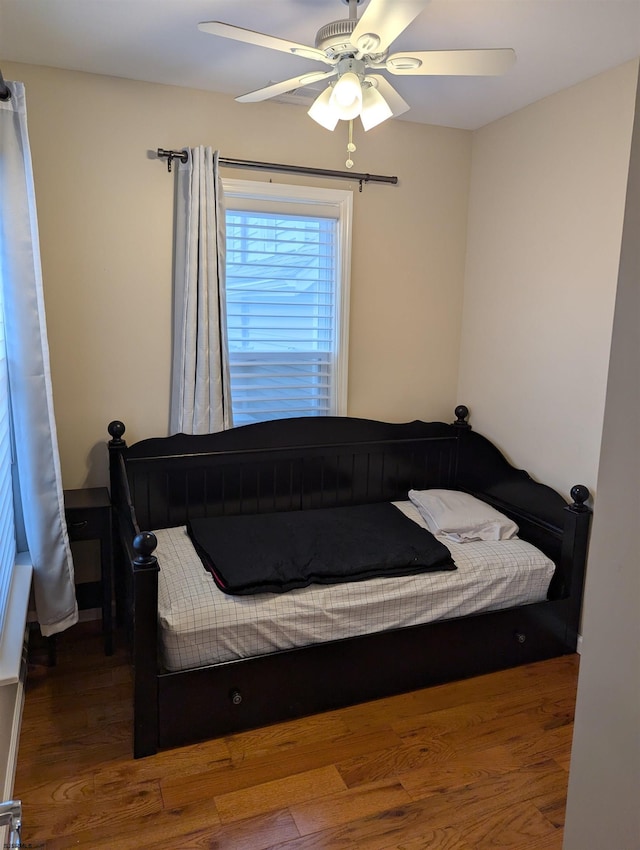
[346, 98]
[375, 108]
[322, 111]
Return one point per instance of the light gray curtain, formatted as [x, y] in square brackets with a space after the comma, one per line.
[39, 508]
[200, 398]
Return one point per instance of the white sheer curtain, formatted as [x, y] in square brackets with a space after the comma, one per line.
[39, 506]
[200, 400]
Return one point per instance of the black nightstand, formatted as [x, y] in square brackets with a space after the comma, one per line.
[88, 514]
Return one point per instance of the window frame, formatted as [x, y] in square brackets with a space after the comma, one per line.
[290, 199]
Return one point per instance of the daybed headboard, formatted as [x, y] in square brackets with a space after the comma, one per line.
[286, 465]
[294, 464]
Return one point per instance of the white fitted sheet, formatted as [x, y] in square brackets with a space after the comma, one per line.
[200, 625]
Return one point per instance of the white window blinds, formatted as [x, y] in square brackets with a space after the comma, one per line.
[285, 292]
[7, 526]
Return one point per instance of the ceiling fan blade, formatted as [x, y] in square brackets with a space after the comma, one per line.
[285, 86]
[262, 40]
[452, 62]
[396, 103]
[383, 21]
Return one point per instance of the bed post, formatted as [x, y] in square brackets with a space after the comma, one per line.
[136, 597]
[145, 639]
[116, 446]
[575, 542]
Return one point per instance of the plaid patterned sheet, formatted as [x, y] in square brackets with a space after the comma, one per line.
[201, 625]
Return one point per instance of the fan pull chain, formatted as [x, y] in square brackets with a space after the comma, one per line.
[350, 146]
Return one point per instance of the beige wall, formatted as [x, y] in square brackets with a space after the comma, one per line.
[105, 214]
[544, 210]
[602, 804]
[545, 223]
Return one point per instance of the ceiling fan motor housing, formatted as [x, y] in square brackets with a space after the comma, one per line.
[334, 39]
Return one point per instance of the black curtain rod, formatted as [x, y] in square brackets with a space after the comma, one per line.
[286, 169]
[5, 91]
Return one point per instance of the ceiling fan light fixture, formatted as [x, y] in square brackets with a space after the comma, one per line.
[322, 110]
[375, 108]
[355, 49]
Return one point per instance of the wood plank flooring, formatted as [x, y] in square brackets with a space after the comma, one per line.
[473, 765]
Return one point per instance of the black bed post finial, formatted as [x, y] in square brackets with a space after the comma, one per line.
[144, 545]
[579, 493]
[116, 429]
[462, 413]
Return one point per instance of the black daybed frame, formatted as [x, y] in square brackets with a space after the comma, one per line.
[305, 463]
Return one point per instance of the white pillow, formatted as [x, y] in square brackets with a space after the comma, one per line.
[460, 517]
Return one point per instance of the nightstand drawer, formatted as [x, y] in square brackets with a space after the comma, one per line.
[86, 524]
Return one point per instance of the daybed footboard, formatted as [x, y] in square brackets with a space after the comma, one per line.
[331, 461]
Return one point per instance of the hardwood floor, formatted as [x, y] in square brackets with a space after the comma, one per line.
[473, 765]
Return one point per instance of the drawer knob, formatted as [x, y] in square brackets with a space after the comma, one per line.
[236, 697]
[83, 524]
[520, 637]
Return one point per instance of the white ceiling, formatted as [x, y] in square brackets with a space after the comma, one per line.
[557, 42]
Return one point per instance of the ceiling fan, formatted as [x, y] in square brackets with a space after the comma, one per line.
[356, 50]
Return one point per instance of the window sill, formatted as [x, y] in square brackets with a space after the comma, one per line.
[12, 643]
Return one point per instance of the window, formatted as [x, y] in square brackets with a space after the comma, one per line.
[287, 296]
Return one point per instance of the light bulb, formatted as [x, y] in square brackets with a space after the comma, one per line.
[347, 89]
[346, 98]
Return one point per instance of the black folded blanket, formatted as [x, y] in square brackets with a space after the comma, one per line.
[274, 553]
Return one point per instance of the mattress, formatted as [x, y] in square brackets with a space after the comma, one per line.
[200, 625]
